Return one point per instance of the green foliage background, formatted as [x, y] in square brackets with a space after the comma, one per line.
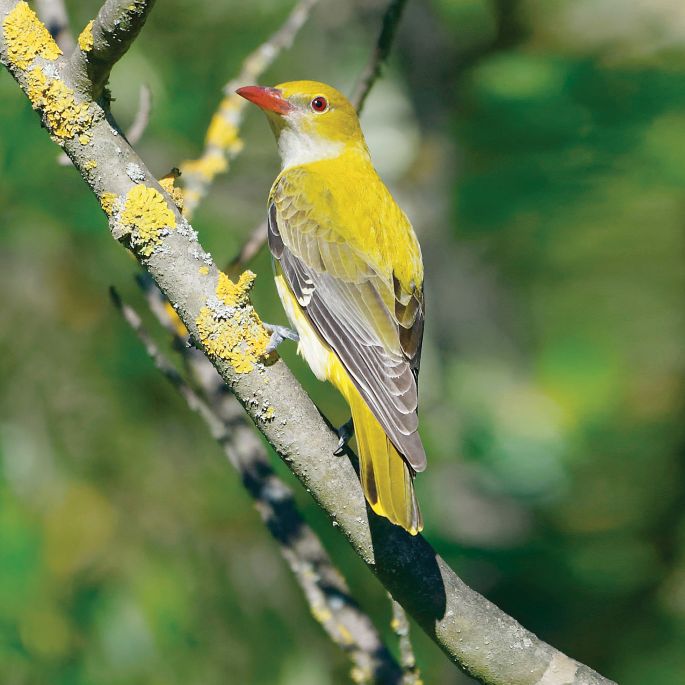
[539, 147]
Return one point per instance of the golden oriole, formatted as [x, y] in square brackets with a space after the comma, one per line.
[348, 270]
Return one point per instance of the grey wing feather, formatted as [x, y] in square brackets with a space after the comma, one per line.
[385, 374]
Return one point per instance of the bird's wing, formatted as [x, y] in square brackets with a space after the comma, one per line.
[373, 324]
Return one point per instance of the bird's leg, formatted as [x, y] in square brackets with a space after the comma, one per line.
[345, 433]
[278, 335]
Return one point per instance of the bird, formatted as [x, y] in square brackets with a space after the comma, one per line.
[349, 273]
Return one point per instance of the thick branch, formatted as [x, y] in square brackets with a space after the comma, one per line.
[373, 69]
[324, 587]
[484, 641]
[138, 126]
[104, 41]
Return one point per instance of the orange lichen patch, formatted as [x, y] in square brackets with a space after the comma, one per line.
[204, 270]
[107, 202]
[167, 182]
[64, 117]
[207, 167]
[27, 37]
[148, 217]
[85, 39]
[229, 328]
[90, 165]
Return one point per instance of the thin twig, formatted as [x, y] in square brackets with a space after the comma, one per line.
[257, 237]
[324, 587]
[475, 634]
[53, 14]
[373, 69]
[250, 249]
[222, 142]
[142, 118]
[400, 626]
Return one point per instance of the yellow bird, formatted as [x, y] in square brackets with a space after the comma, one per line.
[348, 270]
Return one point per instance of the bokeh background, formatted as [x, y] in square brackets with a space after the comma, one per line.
[539, 148]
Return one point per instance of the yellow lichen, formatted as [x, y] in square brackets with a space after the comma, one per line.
[321, 613]
[235, 294]
[207, 167]
[147, 215]
[64, 117]
[204, 270]
[167, 182]
[345, 635]
[358, 675]
[85, 39]
[107, 202]
[222, 133]
[27, 37]
[90, 165]
[230, 328]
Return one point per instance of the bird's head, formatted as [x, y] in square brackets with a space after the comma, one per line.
[311, 120]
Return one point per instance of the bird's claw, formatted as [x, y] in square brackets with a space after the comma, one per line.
[345, 433]
[278, 335]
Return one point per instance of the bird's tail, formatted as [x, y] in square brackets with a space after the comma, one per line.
[386, 477]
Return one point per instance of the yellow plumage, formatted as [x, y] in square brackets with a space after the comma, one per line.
[349, 274]
[386, 480]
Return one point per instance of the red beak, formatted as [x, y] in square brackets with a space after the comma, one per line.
[269, 99]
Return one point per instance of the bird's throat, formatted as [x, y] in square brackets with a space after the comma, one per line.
[297, 148]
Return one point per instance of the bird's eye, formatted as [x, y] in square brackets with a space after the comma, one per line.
[319, 104]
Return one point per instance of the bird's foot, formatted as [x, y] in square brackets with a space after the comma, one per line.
[345, 433]
[278, 335]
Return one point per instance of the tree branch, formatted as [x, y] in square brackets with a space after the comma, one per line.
[400, 626]
[222, 143]
[250, 249]
[484, 641]
[323, 586]
[373, 69]
[104, 41]
[138, 126]
[142, 118]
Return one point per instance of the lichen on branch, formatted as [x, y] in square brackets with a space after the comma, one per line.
[27, 38]
[147, 218]
[85, 39]
[63, 116]
[230, 328]
[105, 40]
